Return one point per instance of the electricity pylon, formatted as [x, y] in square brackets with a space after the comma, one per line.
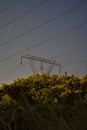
[50, 62]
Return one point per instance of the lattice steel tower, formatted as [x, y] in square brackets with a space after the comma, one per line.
[50, 62]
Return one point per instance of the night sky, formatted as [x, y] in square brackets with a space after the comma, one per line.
[53, 29]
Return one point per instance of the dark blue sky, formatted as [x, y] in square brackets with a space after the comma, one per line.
[69, 47]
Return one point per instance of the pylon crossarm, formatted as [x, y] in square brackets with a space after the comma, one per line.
[41, 60]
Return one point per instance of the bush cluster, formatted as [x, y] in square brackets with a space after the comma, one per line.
[44, 102]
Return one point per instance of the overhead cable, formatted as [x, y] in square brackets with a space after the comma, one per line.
[45, 41]
[23, 14]
[8, 7]
[69, 53]
[40, 25]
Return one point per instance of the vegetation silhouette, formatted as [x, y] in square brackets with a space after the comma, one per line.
[44, 102]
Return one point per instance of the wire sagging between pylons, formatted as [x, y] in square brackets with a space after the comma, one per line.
[45, 41]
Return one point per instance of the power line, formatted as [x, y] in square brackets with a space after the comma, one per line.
[69, 53]
[45, 41]
[52, 19]
[40, 25]
[41, 60]
[8, 7]
[25, 13]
